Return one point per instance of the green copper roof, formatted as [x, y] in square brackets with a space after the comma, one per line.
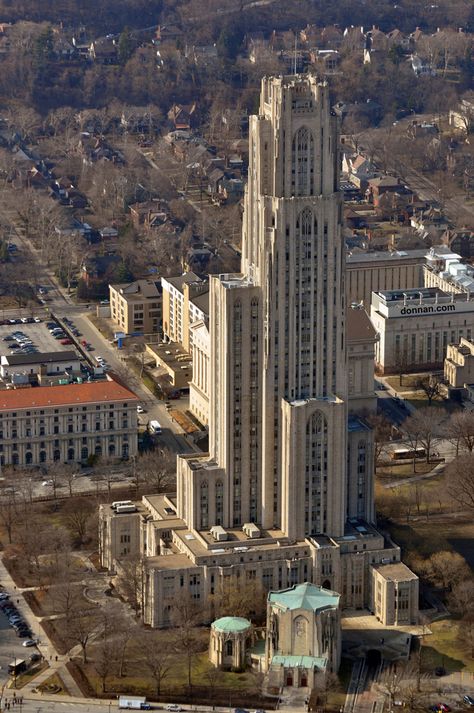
[231, 623]
[304, 596]
[308, 662]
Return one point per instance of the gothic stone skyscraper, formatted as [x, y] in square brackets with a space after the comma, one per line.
[285, 493]
[278, 400]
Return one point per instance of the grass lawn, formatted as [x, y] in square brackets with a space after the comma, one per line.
[424, 537]
[403, 470]
[29, 675]
[137, 678]
[443, 648]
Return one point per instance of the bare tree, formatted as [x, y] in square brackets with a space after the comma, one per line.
[8, 511]
[131, 580]
[461, 599]
[431, 386]
[105, 653]
[445, 569]
[422, 428]
[186, 614]
[460, 480]
[80, 629]
[158, 659]
[235, 597]
[460, 431]
[123, 636]
[382, 430]
[76, 517]
[466, 634]
[157, 469]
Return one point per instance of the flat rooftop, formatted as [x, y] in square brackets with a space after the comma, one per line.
[381, 256]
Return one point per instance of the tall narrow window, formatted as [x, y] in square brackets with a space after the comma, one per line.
[303, 163]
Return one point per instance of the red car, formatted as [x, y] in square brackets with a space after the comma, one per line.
[83, 342]
[65, 341]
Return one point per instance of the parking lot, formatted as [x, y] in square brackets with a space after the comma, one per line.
[11, 647]
[39, 335]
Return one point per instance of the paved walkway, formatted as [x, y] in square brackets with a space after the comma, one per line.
[423, 476]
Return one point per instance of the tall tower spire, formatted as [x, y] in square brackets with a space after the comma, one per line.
[278, 397]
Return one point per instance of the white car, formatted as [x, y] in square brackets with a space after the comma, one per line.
[173, 708]
[140, 409]
[29, 642]
[45, 483]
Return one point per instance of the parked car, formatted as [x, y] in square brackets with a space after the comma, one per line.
[469, 700]
[66, 341]
[173, 708]
[29, 642]
[35, 657]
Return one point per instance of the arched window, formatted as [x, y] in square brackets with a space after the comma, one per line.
[303, 163]
[124, 450]
[28, 458]
[15, 459]
[98, 450]
[70, 454]
[42, 456]
[57, 455]
[219, 502]
[229, 647]
[204, 502]
[111, 449]
[84, 453]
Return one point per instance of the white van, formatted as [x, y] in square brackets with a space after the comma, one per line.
[155, 427]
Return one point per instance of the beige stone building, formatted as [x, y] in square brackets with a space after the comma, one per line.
[67, 423]
[135, 307]
[414, 327]
[303, 636]
[395, 594]
[373, 271]
[231, 637]
[459, 366]
[285, 493]
[185, 301]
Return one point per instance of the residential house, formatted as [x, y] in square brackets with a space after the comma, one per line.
[96, 268]
[358, 169]
[103, 51]
[396, 38]
[462, 118]
[422, 67]
[430, 223]
[460, 241]
[325, 61]
[183, 116]
[148, 215]
[204, 54]
[382, 184]
[109, 233]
